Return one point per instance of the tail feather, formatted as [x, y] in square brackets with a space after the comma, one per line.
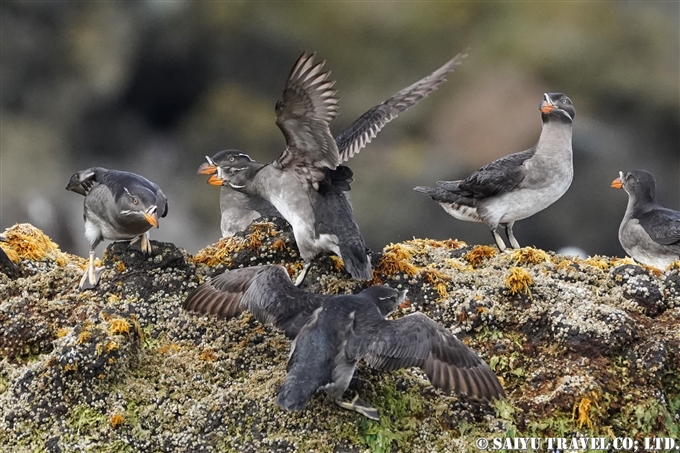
[438, 194]
[357, 262]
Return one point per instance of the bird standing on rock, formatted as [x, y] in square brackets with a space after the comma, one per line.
[118, 206]
[333, 332]
[306, 184]
[649, 233]
[519, 185]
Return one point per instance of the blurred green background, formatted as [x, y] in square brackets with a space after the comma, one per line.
[152, 87]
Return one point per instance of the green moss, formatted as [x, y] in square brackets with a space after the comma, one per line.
[84, 419]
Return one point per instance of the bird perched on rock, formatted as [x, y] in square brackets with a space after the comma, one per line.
[118, 206]
[649, 233]
[519, 185]
[333, 332]
[306, 183]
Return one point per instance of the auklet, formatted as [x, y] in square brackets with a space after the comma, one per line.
[649, 233]
[333, 332]
[519, 185]
[306, 184]
[118, 206]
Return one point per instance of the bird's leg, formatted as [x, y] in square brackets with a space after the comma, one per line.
[360, 406]
[92, 274]
[511, 237]
[497, 237]
[303, 274]
[144, 243]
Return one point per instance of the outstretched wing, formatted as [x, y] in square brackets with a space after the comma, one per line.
[266, 291]
[416, 340]
[366, 127]
[309, 103]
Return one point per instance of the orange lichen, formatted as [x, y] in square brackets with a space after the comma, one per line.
[120, 267]
[208, 356]
[519, 281]
[70, 367]
[597, 262]
[111, 346]
[480, 253]
[388, 265]
[119, 326]
[117, 420]
[220, 252]
[529, 255]
[399, 251]
[279, 245]
[583, 408]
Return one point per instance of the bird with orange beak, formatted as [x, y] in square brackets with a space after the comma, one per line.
[118, 206]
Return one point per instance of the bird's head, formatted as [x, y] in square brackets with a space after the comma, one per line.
[557, 107]
[139, 203]
[227, 157]
[386, 299]
[639, 184]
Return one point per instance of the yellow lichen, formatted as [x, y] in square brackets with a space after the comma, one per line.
[63, 332]
[111, 346]
[583, 408]
[120, 267]
[519, 281]
[390, 266]
[597, 262]
[480, 253]
[399, 251]
[117, 420]
[83, 337]
[24, 241]
[338, 264]
[168, 347]
[529, 255]
[70, 367]
[119, 326]
[208, 356]
[220, 252]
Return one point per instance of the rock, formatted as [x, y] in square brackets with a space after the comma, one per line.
[579, 344]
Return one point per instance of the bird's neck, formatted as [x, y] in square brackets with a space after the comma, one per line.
[555, 137]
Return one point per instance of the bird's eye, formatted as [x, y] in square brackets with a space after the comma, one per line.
[231, 159]
[134, 201]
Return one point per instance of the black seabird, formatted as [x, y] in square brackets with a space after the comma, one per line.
[306, 183]
[649, 233]
[332, 333]
[118, 206]
[519, 185]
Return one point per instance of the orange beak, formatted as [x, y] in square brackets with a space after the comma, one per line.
[151, 218]
[546, 107]
[206, 169]
[405, 304]
[215, 180]
[617, 183]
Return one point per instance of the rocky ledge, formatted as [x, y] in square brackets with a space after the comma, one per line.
[584, 348]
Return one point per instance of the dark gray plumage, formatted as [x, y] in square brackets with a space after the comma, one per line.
[238, 209]
[306, 183]
[649, 233]
[519, 185]
[118, 206]
[332, 333]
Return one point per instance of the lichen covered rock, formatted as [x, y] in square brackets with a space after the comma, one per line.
[583, 348]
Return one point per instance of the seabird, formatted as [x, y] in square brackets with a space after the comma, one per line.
[238, 209]
[306, 183]
[118, 206]
[649, 233]
[519, 185]
[333, 332]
